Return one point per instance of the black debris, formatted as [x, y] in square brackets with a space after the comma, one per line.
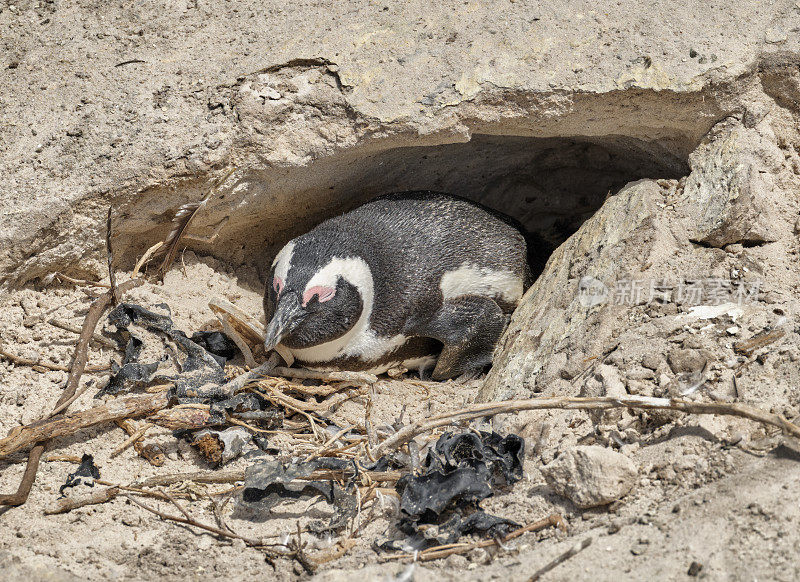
[461, 470]
[694, 569]
[458, 472]
[216, 343]
[132, 321]
[86, 474]
[268, 482]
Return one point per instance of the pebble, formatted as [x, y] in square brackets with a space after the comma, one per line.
[591, 476]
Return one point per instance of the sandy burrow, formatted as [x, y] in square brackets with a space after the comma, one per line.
[698, 498]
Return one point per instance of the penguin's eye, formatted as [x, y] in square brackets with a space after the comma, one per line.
[323, 294]
[277, 284]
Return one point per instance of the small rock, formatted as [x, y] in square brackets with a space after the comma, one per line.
[694, 569]
[683, 360]
[651, 360]
[775, 36]
[590, 476]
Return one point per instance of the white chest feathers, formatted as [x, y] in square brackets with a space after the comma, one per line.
[472, 280]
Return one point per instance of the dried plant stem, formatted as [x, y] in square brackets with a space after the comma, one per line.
[62, 277]
[327, 446]
[193, 522]
[234, 476]
[96, 311]
[94, 498]
[198, 477]
[132, 407]
[599, 403]
[56, 367]
[304, 374]
[438, 552]
[234, 335]
[62, 407]
[152, 453]
[135, 436]
[112, 279]
[148, 254]
[573, 551]
[96, 337]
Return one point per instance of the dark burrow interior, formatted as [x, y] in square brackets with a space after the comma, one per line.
[551, 185]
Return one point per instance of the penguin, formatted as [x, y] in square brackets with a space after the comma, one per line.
[415, 279]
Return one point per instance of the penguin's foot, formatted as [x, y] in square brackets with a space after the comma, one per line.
[469, 327]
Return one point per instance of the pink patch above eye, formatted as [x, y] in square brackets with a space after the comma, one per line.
[324, 294]
[277, 284]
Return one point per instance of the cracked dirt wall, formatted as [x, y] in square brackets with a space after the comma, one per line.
[136, 106]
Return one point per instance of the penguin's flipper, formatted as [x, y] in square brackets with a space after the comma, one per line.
[469, 327]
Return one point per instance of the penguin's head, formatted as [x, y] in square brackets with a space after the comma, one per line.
[312, 299]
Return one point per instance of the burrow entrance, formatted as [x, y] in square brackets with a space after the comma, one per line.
[551, 185]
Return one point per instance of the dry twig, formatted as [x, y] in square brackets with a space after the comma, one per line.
[112, 279]
[152, 453]
[63, 425]
[96, 311]
[148, 254]
[304, 374]
[62, 277]
[135, 435]
[599, 403]
[56, 367]
[96, 337]
[574, 550]
[438, 552]
[66, 504]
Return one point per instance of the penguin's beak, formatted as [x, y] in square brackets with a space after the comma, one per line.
[288, 315]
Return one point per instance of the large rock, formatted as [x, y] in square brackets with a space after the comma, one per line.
[738, 196]
[591, 476]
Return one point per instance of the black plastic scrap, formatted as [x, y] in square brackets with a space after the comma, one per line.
[199, 368]
[459, 471]
[85, 474]
[268, 482]
[217, 344]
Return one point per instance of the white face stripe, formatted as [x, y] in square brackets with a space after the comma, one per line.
[283, 261]
[471, 280]
[354, 270]
[360, 341]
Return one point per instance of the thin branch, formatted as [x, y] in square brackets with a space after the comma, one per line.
[62, 277]
[134, 437]
[63, 425]
[96, 311]
[599, 403]
[236, 475]
[304, 374]
[96, 337]
[573, 551]
[112, 279]
[19, 360]
[94, 498]
[148, 254]
[443, 551]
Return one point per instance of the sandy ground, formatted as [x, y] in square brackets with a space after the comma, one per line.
[718, 492]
